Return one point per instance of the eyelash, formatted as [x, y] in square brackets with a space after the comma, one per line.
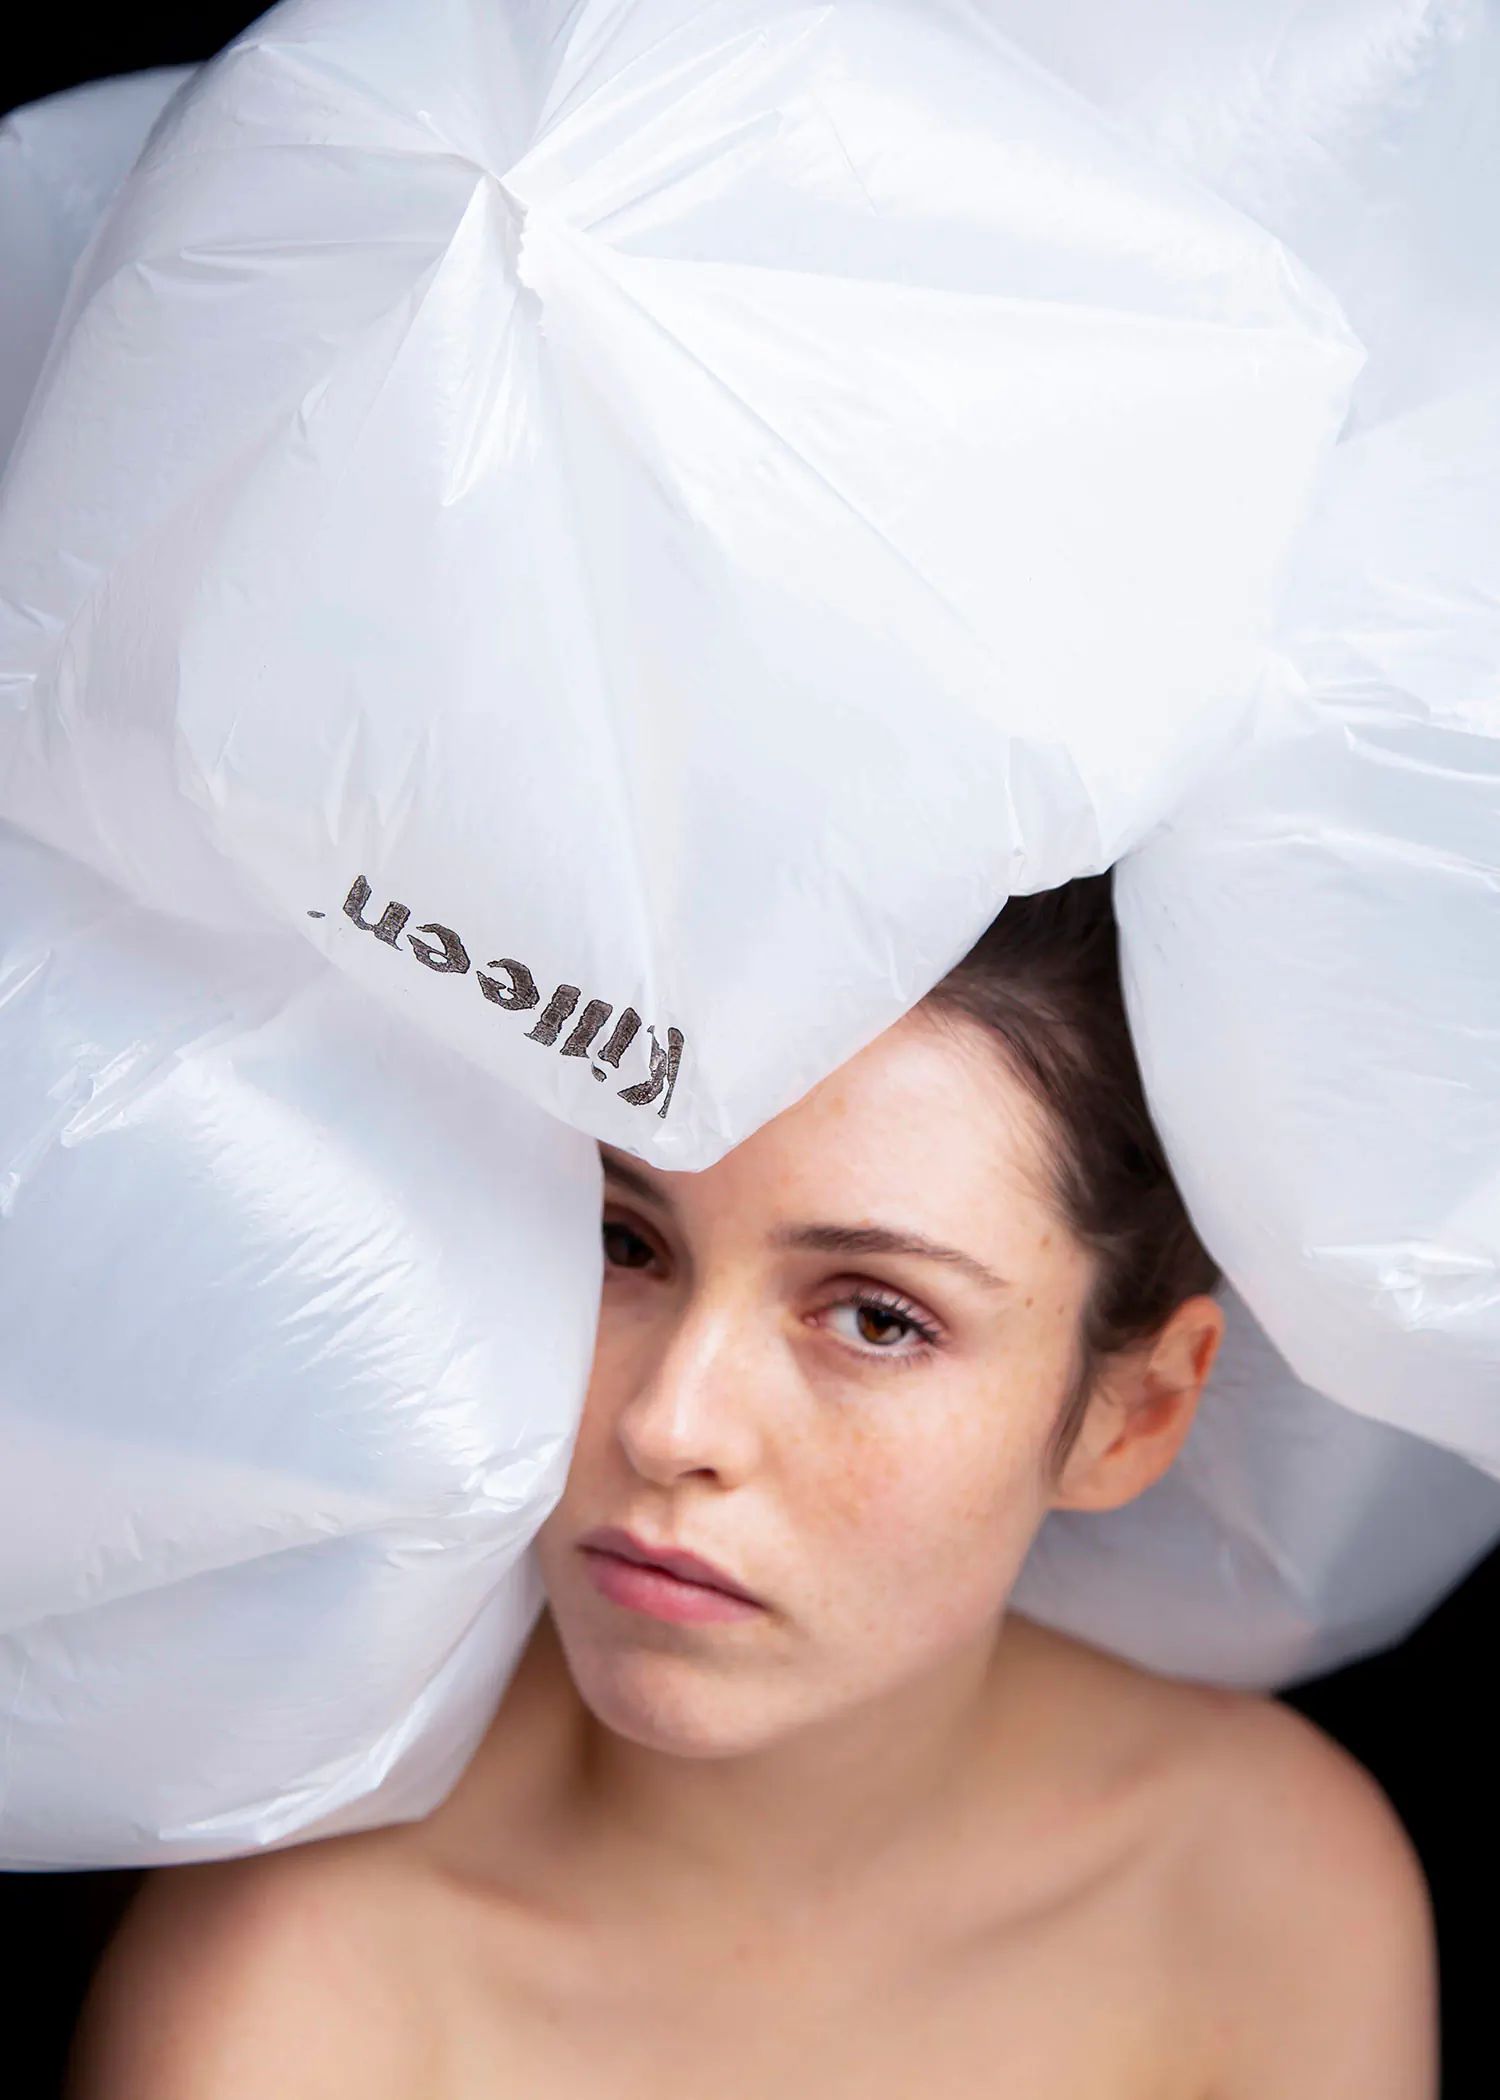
[865, 1296]
[877, 1300]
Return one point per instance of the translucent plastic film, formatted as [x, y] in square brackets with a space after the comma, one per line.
[631, 528]
[635, 526]
[61, 162]
[297, 1313]
[1313, 939]
[1332, 1103]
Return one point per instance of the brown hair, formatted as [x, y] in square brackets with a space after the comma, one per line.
[1044, 983]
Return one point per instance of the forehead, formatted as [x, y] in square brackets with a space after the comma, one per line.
[926, 1131]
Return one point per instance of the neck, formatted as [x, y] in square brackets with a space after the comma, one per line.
[822, 1809]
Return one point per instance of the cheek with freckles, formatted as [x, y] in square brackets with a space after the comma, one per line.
[913, 1520]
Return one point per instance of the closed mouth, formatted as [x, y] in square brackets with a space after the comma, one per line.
[665, 1560]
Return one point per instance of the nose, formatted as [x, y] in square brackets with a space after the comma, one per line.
[693, 1413]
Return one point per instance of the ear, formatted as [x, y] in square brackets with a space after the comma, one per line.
[1141, 1410]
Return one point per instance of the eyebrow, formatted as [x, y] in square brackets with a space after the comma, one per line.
[620, 1169]
[830, 1239]
[876, 1239]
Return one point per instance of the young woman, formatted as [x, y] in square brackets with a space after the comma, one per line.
[781, 1802]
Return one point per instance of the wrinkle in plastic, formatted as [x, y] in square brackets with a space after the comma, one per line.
[279, 1410]
[620, 495]
[775, 454]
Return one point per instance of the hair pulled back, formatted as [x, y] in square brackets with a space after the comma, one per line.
[1044, 983]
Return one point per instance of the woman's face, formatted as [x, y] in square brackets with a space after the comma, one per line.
[830, 1366]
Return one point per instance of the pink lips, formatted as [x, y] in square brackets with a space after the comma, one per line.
[661, 1582]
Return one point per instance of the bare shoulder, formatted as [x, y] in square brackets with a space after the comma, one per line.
[1316, 1925]
[1297, 1898]
[1287, 1796]
[283, 1973]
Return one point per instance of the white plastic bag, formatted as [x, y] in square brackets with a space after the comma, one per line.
[1363, 133]
[1313, 940]
[695, 502]
[1332, 1102]
[297, 1313]
[286, 1600]
[61, 162]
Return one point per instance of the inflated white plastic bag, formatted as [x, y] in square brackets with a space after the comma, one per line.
[1310, 942]
[1363, 133]
[61, 162]
[693, 501]
[298, 1311]
[1349, 861]
[575, 540]
[1313, 940]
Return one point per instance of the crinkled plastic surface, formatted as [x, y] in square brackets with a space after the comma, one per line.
[298, 1309]
[1363, 133]
[61, 162]
[1350, 862]
[696, 502]
[1313, 939]
[254, 1585]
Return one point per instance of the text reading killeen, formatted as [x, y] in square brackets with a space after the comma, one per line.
[508, 984]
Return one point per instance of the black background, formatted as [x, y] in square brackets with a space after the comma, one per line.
[1416, 1717]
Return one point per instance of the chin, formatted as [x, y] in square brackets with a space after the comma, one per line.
[678, 1705]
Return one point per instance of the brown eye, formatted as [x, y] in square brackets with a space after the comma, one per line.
[624, 1248]
[880, 1326]
[896, 1331]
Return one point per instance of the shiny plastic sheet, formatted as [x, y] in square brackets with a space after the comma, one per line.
[1349, 861]
[696, 502]
[253, 1581]
[297, 1312]
[61, 162]
[1313, 938]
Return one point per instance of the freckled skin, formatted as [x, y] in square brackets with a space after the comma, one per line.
[875, 1837]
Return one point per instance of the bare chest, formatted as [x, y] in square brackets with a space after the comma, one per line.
[1089, 2004]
